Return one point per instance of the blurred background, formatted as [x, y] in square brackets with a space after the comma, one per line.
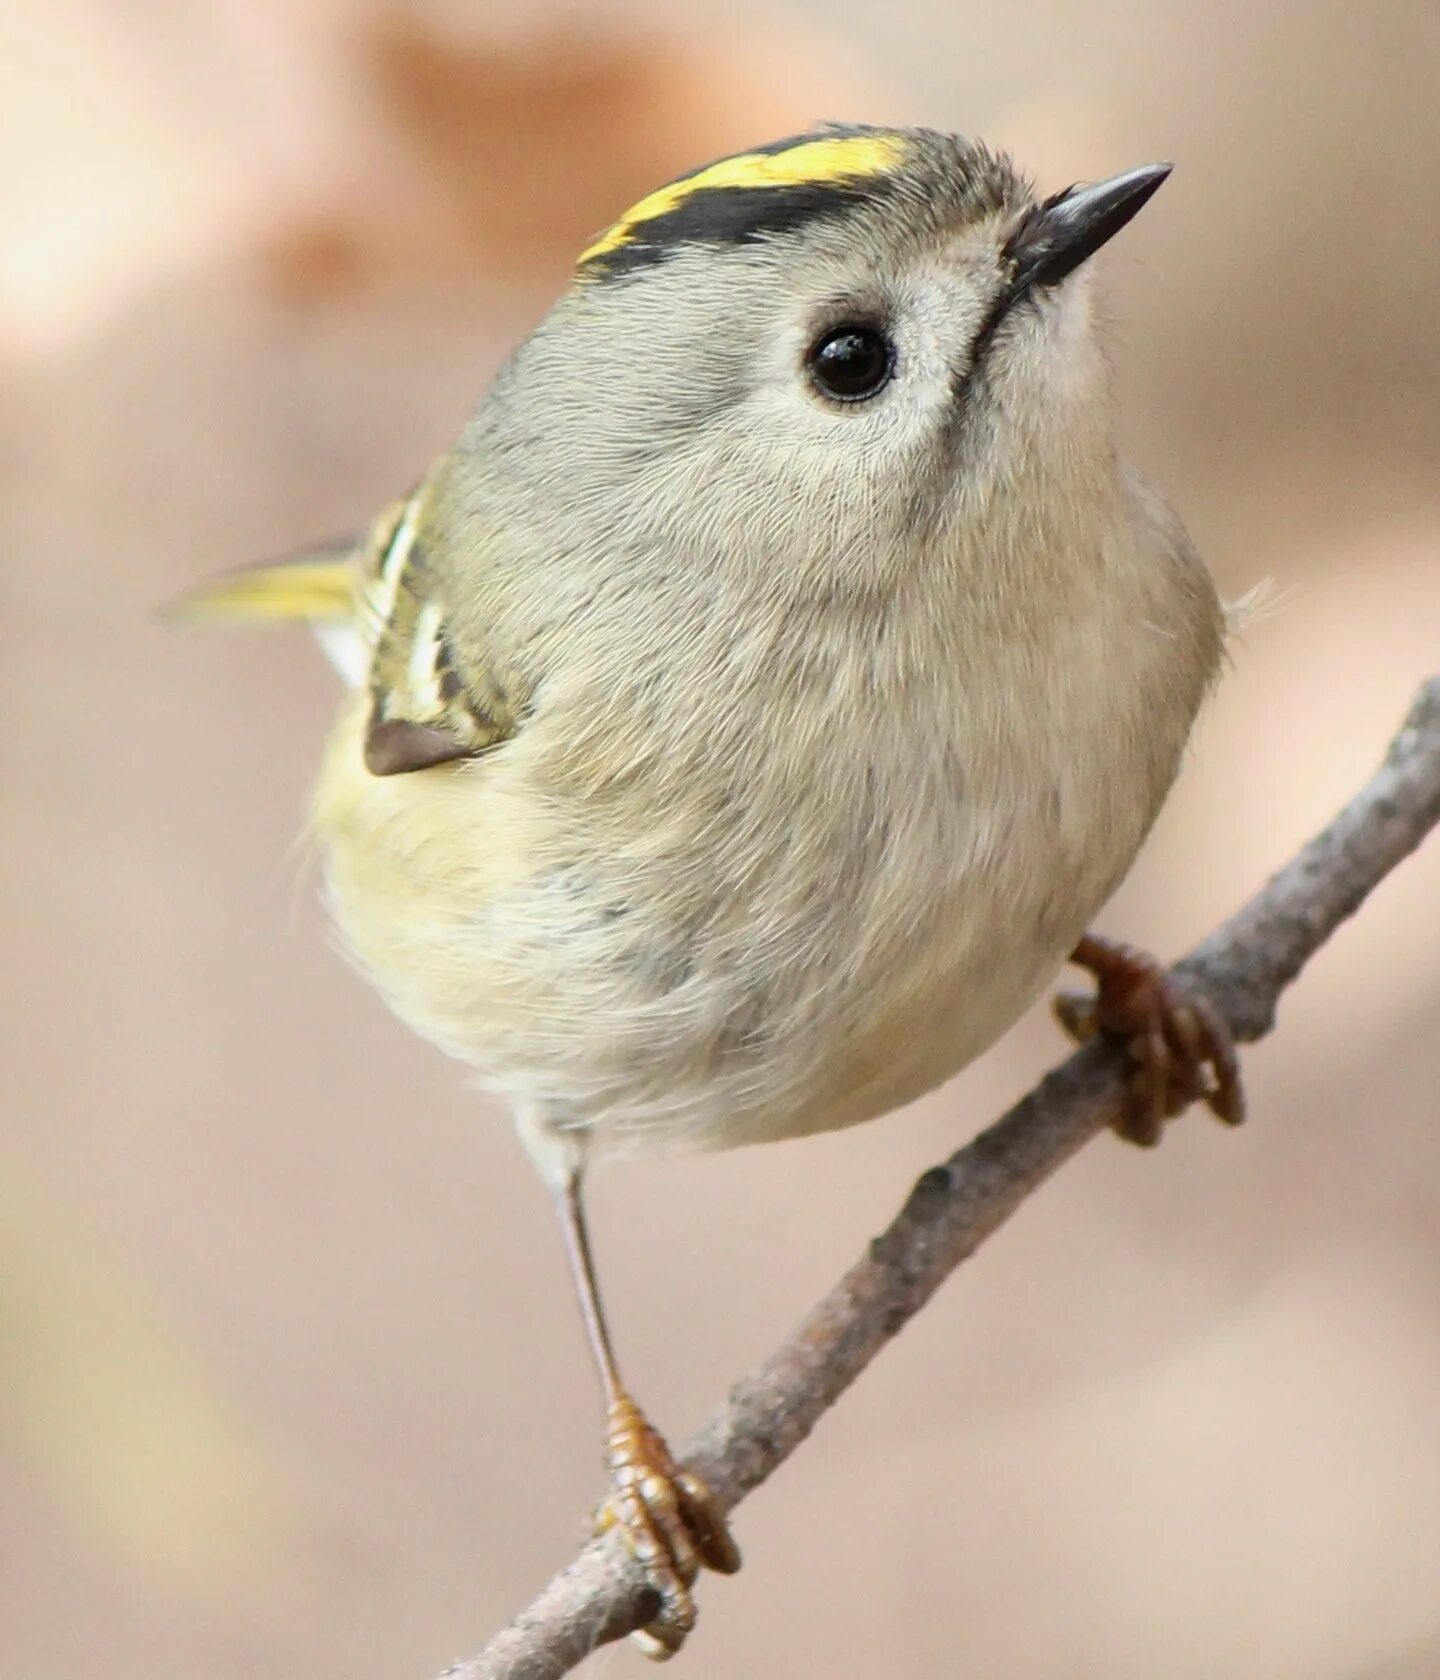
[290, 1378]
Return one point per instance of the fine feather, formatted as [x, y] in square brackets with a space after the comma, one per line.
[429, 705]
[317, 585]
[376, 611]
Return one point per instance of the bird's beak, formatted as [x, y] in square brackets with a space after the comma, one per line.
[1054, 238]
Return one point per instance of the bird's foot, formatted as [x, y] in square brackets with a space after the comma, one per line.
[1182, 1049]
[668, 1519]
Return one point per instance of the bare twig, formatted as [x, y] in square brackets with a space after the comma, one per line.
[1242, 967]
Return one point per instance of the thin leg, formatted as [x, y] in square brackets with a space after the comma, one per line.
[666, 1515]
[570, 1205]
[1181, 1048]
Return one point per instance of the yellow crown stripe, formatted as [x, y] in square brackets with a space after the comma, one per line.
[836, 158]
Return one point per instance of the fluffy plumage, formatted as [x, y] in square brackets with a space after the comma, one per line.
[793, 747]
[738, 739]
[727, 763]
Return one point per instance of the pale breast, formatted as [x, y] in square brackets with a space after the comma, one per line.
[777, 891]
[706, 965]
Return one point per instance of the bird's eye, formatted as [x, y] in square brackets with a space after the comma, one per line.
[851, 363]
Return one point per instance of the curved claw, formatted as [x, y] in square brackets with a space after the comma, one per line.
[1077, 1013]
[668, 1519]
[1182, 1049]
[1225, 1097]
[707, 1525]
[649, 1522]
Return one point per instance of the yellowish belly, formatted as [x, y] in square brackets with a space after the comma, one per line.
[591, 1005]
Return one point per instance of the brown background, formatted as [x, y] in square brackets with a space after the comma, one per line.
[289, 1378]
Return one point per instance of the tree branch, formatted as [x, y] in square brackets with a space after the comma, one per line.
[1243, 967]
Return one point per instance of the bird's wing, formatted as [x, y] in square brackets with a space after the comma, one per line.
[429, 703]
[378, 610]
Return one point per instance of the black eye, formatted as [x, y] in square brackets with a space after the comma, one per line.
[850, 363]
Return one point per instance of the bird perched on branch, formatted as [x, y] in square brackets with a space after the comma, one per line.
[748, 715]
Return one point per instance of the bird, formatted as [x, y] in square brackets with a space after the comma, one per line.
[745, 719]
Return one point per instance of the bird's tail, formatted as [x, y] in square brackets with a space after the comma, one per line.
[319, 585]
[332, 587]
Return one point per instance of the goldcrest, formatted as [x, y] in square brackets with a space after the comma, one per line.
[746, 718]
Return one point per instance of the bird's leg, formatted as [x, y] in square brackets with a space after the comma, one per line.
[666, 1515]
[1181, 1048]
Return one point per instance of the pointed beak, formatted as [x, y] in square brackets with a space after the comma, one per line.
[1055, 237]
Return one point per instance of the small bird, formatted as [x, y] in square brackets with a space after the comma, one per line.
[748, 715]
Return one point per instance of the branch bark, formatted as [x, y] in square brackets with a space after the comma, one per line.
[1243, 967]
